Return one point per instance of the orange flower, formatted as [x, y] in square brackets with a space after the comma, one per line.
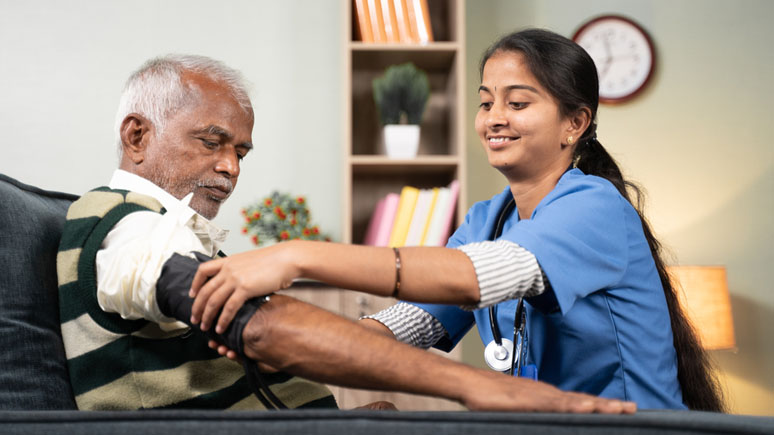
[244, 212]
[315, 230]
[293, 221]
[255, 240]
[247, 219]
[284, 235]
[306, 231]
[300, 200]
[244, 230]
[268, 202]
[256, 215]
[280, 214]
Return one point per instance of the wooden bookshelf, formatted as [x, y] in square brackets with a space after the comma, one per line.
[369, 175]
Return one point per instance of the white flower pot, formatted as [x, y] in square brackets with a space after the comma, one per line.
[401, 141]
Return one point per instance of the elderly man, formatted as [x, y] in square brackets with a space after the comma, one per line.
[184, 124]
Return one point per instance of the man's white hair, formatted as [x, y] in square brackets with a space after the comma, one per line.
[156, 90]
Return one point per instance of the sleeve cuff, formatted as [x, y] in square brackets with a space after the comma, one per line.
[411, 325]
[504, 271]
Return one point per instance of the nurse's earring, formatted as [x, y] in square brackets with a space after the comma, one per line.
[570, 140]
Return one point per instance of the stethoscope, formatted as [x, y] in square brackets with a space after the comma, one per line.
[499, 354]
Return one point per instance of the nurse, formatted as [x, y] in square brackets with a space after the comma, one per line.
[561, 262]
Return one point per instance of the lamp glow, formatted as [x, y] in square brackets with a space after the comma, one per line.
[704, 297]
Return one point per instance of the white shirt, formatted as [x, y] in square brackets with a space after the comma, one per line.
[130, 258]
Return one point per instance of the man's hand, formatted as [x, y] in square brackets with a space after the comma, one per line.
[381, 405]
[493, 391]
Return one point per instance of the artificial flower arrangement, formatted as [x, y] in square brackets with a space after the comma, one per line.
[280, 217]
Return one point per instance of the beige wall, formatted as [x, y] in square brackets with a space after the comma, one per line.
[698, 140]
[63, 65]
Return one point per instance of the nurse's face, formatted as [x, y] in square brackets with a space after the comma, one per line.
[519, 123]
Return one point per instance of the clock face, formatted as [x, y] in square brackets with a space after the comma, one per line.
[623, 54]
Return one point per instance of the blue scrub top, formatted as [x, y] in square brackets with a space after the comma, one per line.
[603, 327]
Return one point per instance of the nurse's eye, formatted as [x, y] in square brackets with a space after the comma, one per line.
[486, 105]
[518, 106]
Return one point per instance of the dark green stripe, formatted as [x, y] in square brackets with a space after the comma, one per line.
[154, 354]
[69, 306]
[134, 353]
[122, 192]
[101, 366]
[326, 402]
[87, 273]
[76, 231]
[220, 399]
[276, 377]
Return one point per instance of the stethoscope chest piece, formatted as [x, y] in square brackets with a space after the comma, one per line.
[498, 357]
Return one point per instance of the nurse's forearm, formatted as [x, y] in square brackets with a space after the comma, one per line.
[435, 275]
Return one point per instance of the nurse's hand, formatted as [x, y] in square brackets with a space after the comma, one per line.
[499, 392]
[228, 282]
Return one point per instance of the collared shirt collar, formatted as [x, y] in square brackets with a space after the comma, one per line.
[210, 235]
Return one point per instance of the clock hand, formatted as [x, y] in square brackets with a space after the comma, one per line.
[608, 57]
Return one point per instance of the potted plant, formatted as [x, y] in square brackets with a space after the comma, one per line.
[280, 217]
[401, 96]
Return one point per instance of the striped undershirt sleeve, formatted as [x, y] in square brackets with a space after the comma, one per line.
[505, 271]
[411, 324]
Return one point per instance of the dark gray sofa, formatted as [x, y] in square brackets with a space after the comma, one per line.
[35, 393]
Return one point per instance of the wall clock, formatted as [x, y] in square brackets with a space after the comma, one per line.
[623, 53]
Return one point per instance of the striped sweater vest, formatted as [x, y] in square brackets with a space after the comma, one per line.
[116, 363]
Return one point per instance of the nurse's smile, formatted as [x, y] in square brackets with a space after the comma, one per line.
[499, 142]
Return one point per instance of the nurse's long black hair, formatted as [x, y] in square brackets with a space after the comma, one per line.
[565, 69]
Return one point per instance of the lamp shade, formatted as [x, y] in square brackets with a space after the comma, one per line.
[704, 297]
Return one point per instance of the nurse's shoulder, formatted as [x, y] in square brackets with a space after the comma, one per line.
[595, 193]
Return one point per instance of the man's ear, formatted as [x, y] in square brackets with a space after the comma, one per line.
[136, 133]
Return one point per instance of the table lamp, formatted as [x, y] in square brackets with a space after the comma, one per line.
[704, 297]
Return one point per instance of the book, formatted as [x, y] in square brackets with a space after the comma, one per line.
[377, 22]
[390, 21]
[411, 17]
[419, 218]
[424, 30]
[443, 215]
[433, 202]
[380, 225]
[373, 224]
[363, 21]
[404, 28]
[432, 236]
[451, 207]
[400, 227]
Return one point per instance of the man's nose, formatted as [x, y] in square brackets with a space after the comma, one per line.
[228, 163]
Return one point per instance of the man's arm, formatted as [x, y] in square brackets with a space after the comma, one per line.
[304, 340]
[131, 257]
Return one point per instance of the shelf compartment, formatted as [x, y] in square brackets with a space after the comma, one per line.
[372, 182]
[437, 130]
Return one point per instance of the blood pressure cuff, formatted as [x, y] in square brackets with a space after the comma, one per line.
[172, 297]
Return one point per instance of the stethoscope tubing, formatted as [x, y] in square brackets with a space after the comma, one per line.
[518, 323]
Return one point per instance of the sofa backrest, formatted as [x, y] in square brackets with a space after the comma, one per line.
[33, 367]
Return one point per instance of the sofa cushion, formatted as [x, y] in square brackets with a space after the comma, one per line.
[34, 369]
